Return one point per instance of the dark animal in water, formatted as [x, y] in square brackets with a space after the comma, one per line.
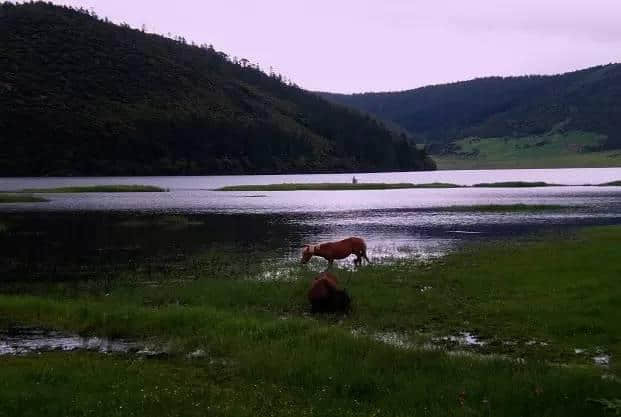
[325, 296]
[337, 250]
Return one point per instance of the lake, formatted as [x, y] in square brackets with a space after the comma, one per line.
[396, 223]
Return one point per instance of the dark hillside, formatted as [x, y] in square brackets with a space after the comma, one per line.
[81, 96]
[588, 100]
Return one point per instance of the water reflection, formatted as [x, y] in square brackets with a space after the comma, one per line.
[86, 244]
[99, 231]
[197, 201]
[461, 177]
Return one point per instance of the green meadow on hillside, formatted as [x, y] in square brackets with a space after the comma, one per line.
[574, 149]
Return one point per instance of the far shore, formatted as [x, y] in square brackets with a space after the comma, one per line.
[20, 198]
[133, 188]
[393, 186]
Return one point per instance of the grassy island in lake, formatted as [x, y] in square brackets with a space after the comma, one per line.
[376, 186]
[99, 189]
[327, 186]
[513, 184]
[20, 198]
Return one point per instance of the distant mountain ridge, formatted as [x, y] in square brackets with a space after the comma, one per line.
[82, 96]
[588, 100]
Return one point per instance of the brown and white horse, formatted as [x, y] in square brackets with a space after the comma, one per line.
[337, 250]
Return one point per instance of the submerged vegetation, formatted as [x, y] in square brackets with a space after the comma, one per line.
[20, 198]
[99, 189]
[500, 208]
[238, 344]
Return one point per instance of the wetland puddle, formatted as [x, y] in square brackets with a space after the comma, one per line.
[26, 340]
[467, 344]
[23, 341]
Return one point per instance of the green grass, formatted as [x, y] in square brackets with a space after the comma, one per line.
[254, 359]
[264, 355]
[372, 186]
[333, 186]
[20, 198]
[288, 371]
[502, 208]
[557, 150]
[437, 185]
[98, 189]
[385, 186]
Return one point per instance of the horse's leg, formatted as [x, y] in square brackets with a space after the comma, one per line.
[364, 255]
[330, 262]
[357, 261]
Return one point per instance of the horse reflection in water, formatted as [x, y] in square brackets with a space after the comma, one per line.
[337, 250]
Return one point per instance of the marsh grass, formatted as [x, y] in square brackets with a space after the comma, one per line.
[264, 361]
[501, 291]
[170, 221]
[333, 186]
[20, 198]
[292, 370]
[119, 188]
[264, 353]
[379, 186]
[513, 184]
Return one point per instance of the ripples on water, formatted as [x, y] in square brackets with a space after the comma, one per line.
[395, 223]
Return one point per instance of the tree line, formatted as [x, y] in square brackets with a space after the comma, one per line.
[82, 96]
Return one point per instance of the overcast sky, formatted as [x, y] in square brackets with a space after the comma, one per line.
[379, 45]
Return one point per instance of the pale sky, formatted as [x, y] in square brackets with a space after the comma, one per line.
[384, 45]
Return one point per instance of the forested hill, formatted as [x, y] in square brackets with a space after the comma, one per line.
[82, 96]
[588, 100]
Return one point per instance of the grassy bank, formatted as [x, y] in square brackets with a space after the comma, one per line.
[497, 291]
[532, 302]
[98, 189]
[332, 186]
[20, 198]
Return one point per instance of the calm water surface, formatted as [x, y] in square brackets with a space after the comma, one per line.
[564, 176]
[414, 222]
